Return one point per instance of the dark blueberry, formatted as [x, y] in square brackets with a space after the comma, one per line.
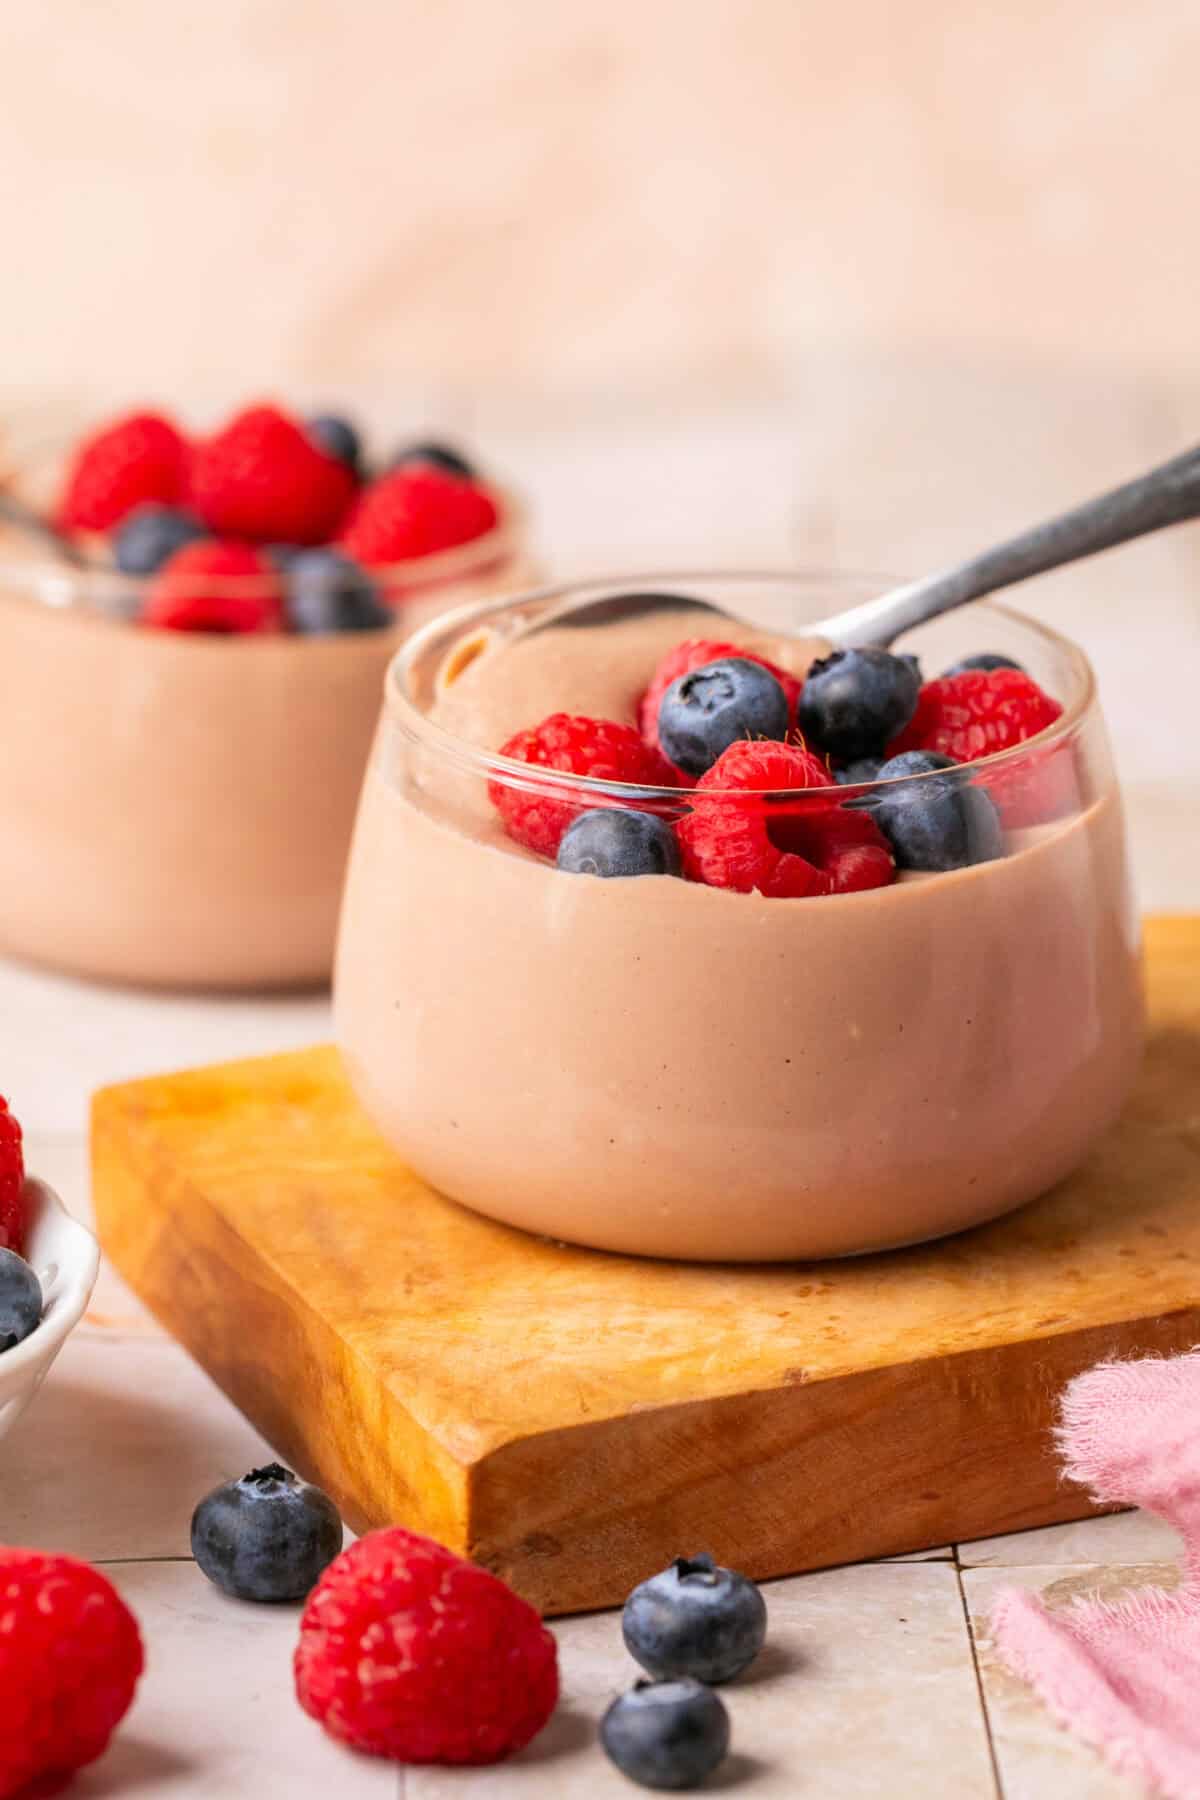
[442, 456]
[851, 774]
[329, 592]
[150, 533]
[20, 1299]
[266, 1537]
[609, 840]
[855, 701]
[695, 1619]
[667, 1735]
[987, 659]
[701, 714]
[337, 437]
[934, 825]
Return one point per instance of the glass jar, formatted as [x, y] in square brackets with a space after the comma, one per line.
[657, 1066]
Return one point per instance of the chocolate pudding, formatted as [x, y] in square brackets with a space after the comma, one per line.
[654, 1066]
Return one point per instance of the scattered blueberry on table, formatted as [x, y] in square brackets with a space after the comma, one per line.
[667, 1735]
[267, 1537]
[695, 1618]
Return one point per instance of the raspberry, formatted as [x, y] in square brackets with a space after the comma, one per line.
[138, 458]
[414, 511]
[264, 477]
[595, 747]
[12, 1183]
[210, 586]
[70, 1658]
[980, 711]
[408, 1652]
[693, 654]
[751, 842]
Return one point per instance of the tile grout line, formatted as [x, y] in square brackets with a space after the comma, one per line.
[997, 1782]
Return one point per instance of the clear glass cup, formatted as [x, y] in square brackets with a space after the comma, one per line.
[656, 1066]
[177, 807]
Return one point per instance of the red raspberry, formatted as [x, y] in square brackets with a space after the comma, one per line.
[263, 477]
[12, 1182]
[981, 711]
[210, 586]
[137, 458]
[694, 653]
[415, 511]
[786, 850]
[408, 1652]
[596, 747]
[70, 1657]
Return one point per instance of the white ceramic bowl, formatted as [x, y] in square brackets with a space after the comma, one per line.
[65, 1257]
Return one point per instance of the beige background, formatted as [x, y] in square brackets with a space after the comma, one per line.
[581, 196]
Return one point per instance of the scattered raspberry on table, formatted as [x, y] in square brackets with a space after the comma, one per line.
[408, 1652]
[70, 1659]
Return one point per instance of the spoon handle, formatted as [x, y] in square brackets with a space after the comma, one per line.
[1165, 496]
[16, 512]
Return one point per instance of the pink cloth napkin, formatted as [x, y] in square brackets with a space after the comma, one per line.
[1126, 1675]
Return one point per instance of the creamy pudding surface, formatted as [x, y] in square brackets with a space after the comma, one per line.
[655, 1066]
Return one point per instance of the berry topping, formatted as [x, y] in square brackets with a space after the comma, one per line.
[264, 477]
[408, 1652]
[749, 831]
[141, 457]
[977, 713]
[704, 712]
[268, 1536]
[70, 1658]
[328, 592]
[865, 768]
[934, 824]
[152, 532]
[12, 1182]
[855, 701]
[694, 654]
[337, 437]
[610, 840]
[577, 746]
[20, 1299]
[437, 456]
[695, 1619]
[215, 587]
[987, 659]
[415, 511]
[667, 1735]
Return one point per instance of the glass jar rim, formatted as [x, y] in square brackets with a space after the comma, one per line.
[511, 772]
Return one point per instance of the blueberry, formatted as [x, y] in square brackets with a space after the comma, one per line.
[987, 659]
[329, 592]
[609, 840]
[267, 1536]
[866, 768]
[20, 1299]
[695, 1619]
[854, 701]
[667, 1735]
[337, 437]
[701, 714]
[150, 533]
[442, 456]
[934, 825]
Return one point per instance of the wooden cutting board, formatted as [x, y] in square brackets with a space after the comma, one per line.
[573, 1420]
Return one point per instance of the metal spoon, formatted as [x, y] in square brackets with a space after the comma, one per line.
[1165, 496]
[25, 518]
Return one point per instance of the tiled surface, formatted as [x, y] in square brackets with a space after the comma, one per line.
[870, 1686]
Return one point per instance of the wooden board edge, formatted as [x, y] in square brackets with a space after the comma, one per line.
[873, 1464]
[412, 1481]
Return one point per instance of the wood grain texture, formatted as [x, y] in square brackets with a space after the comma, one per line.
[573, 1420]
